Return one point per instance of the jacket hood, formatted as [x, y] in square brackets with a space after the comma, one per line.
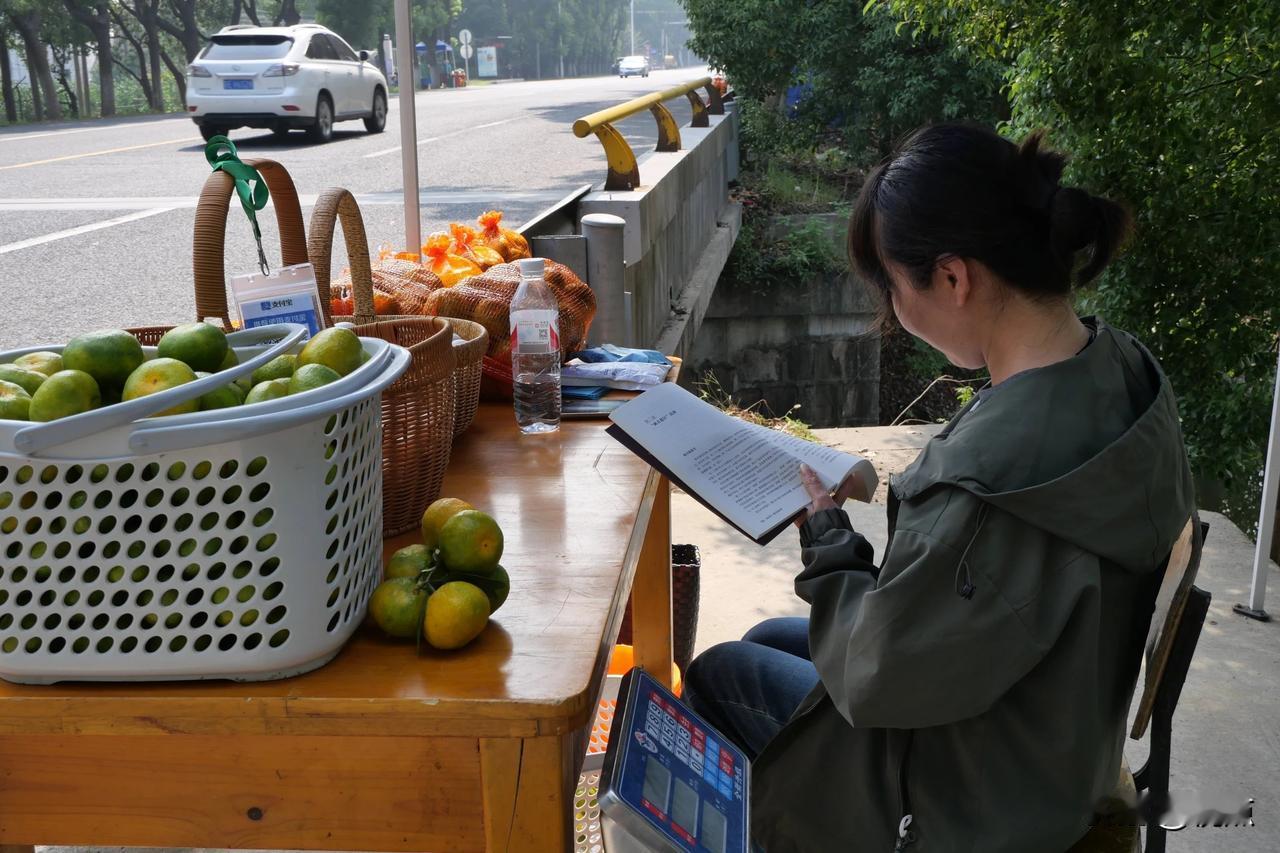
[1088, 449]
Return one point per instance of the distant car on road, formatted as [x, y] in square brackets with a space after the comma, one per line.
[630, 66]
[283, 78]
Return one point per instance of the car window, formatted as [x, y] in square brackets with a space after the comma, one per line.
[247, 47]
[320, 48]
[345, 53]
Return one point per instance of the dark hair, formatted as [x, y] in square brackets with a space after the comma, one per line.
[965, 191]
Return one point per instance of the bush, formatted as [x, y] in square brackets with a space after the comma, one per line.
[761, 266]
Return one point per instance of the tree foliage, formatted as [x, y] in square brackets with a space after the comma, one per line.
[1172, 108]
[858, 73]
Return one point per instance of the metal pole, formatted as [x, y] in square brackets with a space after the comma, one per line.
[606, 276]
[408, 128]
[1266, 514]
[633, 27]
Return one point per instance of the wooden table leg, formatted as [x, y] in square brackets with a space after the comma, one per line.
[651, 592]
[528, 794]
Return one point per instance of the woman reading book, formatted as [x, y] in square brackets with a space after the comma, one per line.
[970, 691]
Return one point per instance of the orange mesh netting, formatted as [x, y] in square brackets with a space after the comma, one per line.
[449, 267]
[510, 244]
[464, 244]
[486, 299]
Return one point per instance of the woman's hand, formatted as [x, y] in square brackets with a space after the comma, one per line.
[820, 498]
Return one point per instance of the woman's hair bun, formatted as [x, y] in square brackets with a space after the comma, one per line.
[1078, 220]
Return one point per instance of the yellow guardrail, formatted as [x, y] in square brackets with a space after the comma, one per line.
[624, 173]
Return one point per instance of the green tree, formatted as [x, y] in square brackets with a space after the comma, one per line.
[860, 72]
[1173, 109]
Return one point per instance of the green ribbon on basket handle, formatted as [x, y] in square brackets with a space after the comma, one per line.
[252, 189]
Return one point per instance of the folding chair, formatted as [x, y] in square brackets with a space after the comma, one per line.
[1176, 621]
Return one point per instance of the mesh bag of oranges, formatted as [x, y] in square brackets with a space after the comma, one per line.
[399, 277]
[439, 257]
[486, 299]
[511, 245]
[466, 244]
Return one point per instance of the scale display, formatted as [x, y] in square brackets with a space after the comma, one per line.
[671, 781]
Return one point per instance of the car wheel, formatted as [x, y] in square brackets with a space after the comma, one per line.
[321, 130]
[377, 119]
[209, 131]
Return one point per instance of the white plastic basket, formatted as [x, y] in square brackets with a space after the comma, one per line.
[242, 547]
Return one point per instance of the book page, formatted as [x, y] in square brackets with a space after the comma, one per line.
[748, 472]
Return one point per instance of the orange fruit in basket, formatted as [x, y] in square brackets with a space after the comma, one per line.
[44, 362]
[108, 355]
[456, 614]
[65, 393]
[471, 542]
[15, 402]
[397, 607]
[159, 375]
[226, 397]
[272, 389]
[310, 376]
[25, 378]
[230, 360]
[436, 515]
[338, 349]
[200, 346]
[280, 367]
[384, 304]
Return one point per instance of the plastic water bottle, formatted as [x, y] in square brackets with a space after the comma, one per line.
[535, 351]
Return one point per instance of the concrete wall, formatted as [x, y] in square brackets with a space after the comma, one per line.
[679, 224]
[808, 343]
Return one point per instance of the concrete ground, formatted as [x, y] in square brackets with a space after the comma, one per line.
[1226, 732]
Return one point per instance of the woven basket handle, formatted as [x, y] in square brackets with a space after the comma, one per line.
[209, 243]
[337, 204]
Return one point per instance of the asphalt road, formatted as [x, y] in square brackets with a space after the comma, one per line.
[96, 217]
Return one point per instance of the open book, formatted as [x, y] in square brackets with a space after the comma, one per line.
[747, 474]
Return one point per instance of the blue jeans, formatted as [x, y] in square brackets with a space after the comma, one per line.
[750, 688]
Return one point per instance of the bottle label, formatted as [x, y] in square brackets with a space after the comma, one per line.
[535, 331]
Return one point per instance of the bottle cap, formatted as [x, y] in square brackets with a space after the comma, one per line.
[532, 267]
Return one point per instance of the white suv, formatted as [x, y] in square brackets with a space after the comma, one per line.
[283, 78]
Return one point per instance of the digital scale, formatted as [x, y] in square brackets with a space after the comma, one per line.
[670, 782]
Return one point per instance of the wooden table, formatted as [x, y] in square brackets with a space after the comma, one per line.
[380, 750]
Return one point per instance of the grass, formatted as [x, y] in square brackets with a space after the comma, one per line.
[710, 390]
[790, 189]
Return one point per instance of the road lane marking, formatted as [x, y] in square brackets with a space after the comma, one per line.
[99, 153]
[18, 137]
[81, 229]
[386, 151]
[392, 197]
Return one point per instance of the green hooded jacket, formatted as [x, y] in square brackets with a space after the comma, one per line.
[978, 681]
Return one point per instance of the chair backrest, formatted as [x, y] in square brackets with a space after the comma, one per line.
[1171, 600]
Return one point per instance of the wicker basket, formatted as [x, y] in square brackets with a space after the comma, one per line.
[686, 567]
[418, 411]
[209, 242]
[466, 376]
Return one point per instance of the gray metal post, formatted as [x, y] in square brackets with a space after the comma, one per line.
[605, 268]
[567, 249]
[1266, 515]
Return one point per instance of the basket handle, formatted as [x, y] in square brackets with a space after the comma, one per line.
[34, 440]
[161, 439]
[209, 240]
[337, 204]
